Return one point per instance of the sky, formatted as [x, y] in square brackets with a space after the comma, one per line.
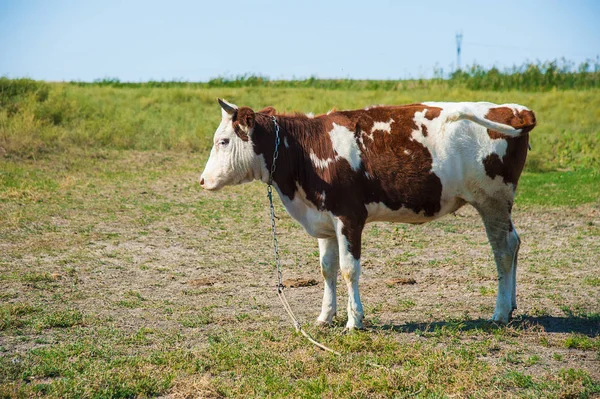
[140, 40]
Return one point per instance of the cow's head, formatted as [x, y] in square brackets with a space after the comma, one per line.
[232, 159]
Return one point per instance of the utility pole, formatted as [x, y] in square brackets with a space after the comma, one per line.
[459, 37]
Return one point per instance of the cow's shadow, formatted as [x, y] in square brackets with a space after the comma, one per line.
[551, 324]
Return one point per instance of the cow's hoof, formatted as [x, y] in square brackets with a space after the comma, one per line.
[354, 326]
[324, 323]
[499, 318]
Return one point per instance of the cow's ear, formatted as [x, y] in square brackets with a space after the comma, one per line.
[245, 118]
[227, 109]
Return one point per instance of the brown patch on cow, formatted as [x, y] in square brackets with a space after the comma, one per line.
[512, 163]
[352, 230]
[401, 281]
[400, 179]
[303, 135]
[299, 282]
[432, 113]
[523, 120]
[201, 282]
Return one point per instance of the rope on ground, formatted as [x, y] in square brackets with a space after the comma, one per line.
[297, 325]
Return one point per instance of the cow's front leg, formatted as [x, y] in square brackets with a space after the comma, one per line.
[328, 250]
[349, 241]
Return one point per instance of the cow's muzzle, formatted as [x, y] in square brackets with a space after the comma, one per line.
[209, 184]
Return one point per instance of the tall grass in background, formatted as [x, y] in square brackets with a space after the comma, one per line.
[37, 118]
[559, 75]
[540, 76]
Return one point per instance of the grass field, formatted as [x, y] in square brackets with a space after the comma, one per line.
[120, 277]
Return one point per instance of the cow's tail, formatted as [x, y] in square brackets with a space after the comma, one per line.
[520, 122]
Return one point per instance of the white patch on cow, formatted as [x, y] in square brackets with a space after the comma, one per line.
[383, 126]
[345, 145]
[310, 115]
[331, 111]
[318, 162]
[328, 256]
[317, 223]
[368, 176]
[458, 148]
[374, 106]
[442, 144]
[323, 198]
[285, 142]
[407, 152]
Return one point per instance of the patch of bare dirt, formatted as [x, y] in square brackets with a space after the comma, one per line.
[299, 282]
[201, 282]
[401, 281]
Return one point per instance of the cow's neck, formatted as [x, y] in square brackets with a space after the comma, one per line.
[293, 165]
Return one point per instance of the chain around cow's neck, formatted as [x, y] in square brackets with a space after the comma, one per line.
[275, 152]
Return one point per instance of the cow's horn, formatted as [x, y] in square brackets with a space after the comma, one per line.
[227, 107]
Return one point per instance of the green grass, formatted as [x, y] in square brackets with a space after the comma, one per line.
[257, 364]
[41, 118]
[559, 188]
[87, 366]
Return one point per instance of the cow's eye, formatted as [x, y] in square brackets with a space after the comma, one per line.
[223, 142]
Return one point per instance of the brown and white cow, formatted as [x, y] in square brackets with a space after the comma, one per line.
[411, 164]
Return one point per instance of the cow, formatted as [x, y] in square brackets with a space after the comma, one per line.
[411, 164]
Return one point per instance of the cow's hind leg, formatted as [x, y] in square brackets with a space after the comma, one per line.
[349, 241]
[505, 246]
[328, 249]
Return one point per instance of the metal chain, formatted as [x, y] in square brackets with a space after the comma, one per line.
[275, 152]
[272, 208]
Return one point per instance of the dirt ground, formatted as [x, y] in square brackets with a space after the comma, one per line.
[159, 253]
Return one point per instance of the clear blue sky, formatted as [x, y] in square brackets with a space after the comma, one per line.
[139, 40]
